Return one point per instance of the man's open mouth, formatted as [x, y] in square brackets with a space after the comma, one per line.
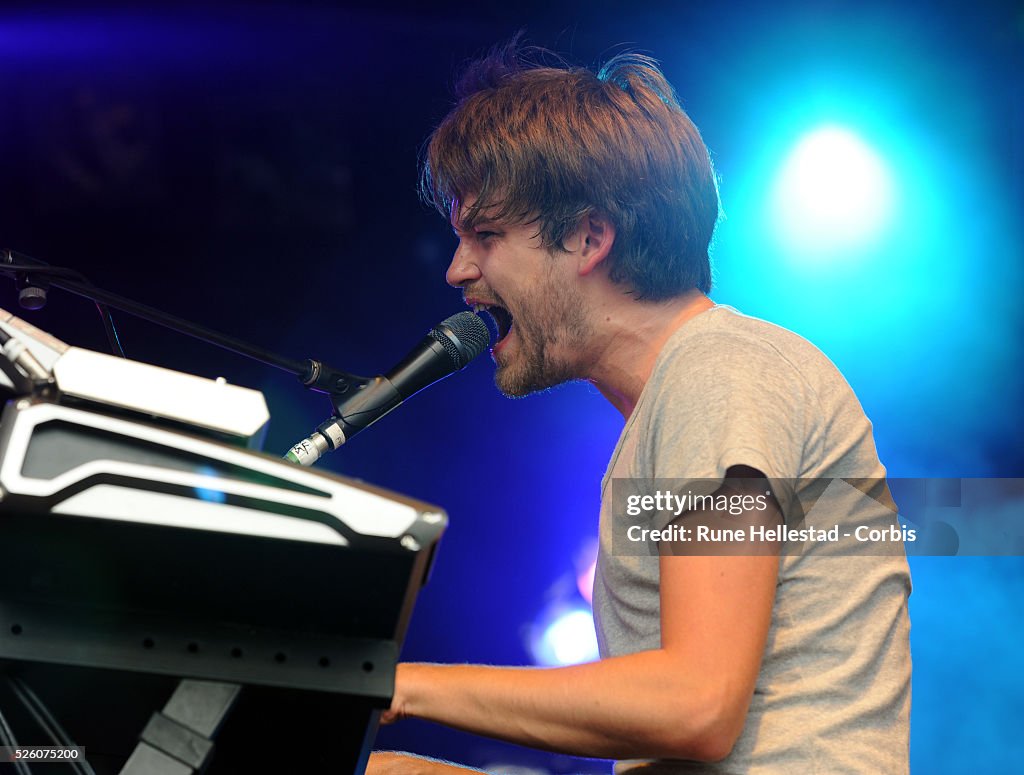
[502, 318]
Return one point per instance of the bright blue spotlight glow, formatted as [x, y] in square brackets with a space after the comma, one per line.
[833, 193]
[568, 639]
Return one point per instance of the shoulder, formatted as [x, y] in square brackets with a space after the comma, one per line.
[728, 389]
[723, 357]
[726, 381]
[725, 340]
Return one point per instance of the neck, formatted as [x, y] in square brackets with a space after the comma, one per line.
[629, 336]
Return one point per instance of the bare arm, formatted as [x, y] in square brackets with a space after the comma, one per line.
[398, 763]
[688, 699]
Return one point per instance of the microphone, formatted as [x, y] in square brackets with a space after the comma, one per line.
[448, 347]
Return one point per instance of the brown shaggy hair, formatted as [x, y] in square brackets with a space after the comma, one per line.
[549, 145]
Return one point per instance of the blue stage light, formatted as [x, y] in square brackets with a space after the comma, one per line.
[568, 638]
[834, 193]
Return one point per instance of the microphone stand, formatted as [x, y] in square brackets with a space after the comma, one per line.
[34, 277]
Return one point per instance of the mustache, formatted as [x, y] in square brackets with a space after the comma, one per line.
[482, 295]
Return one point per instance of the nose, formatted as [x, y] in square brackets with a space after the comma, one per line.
[463, 268]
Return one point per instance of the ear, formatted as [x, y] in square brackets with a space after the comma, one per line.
[594, 238]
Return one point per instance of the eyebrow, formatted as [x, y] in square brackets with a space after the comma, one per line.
[478, 226]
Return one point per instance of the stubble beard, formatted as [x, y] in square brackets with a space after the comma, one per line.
[548, 328]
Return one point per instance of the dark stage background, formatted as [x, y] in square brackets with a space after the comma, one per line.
[253, 168]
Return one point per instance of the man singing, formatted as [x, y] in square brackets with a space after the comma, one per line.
[585, 204]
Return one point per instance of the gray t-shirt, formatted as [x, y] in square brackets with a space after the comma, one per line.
[833, 694]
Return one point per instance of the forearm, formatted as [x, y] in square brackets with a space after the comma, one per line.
[686, 700]
[647, 704]
[398, 763]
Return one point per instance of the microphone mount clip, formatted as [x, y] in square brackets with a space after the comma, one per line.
[334, 382]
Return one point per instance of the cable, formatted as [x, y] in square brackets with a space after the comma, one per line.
[7, 740]
[37, 708]
[47, 722]
[108, 324]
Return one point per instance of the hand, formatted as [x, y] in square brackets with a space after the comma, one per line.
[394, 763]
[391, 715]
[398, 710]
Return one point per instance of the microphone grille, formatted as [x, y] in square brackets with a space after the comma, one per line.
[463, 336]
